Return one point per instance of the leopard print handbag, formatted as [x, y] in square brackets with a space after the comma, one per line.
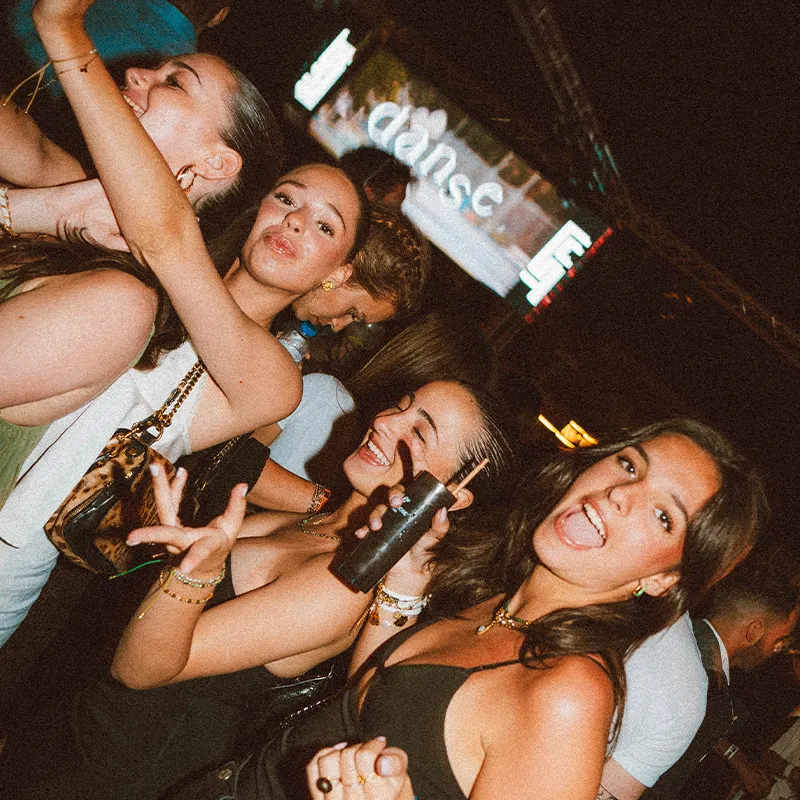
[116, 495]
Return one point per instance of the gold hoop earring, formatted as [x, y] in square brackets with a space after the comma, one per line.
[327, 286]
[185, 178]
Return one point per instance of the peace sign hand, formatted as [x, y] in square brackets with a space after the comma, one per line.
[205, 549]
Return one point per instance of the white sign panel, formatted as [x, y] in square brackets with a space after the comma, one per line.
[551, 263]
[325, 71]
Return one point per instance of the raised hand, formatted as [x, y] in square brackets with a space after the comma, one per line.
[205, 549]
[370, 771]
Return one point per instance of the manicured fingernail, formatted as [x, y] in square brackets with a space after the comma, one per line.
[153, 469]
[381, 738]
[396, 500]
[181, 472]
[374, 524]
[243, 489]
[442, 513]
[340, 746]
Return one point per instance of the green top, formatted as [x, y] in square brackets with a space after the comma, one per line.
[16, 444]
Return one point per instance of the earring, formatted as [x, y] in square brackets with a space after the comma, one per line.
[639, 590]
[327, 285]
[185, 178]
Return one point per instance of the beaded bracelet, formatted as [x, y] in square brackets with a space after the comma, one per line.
[198, 583]
[401, 607]
[195, 601]
[5, 213]
[321, 496]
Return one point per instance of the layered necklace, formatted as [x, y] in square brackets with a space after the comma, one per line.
[502, 619]
[305, 526]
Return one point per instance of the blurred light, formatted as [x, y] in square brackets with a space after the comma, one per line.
[555, 431]
[577, 435]
[325, 71]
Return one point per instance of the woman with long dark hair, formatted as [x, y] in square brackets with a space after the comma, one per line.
[510, 687]
[192, 683]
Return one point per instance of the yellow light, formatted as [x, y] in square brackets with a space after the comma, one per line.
[555, 431]
[575, 433]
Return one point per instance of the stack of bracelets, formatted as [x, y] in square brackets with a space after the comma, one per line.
[168, 573]
[400, 606]
[321, 496]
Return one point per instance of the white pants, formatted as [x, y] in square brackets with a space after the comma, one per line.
[23, 573]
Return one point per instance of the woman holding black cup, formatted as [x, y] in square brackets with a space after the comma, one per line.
[509, 689]
[275, 613]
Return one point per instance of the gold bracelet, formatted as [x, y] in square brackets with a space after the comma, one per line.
[191, 600]
[90, 56]
[401, 607]
[92, 52]
[321, 496]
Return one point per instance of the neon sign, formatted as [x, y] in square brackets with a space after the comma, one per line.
[551, 263]
[325, 71]
[409, 146]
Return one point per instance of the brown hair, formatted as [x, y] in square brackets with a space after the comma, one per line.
[394, 263]
[470, 568]
[22, 260]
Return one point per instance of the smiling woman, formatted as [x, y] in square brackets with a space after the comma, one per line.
[66, 355]
[133, 740]
[509, 689]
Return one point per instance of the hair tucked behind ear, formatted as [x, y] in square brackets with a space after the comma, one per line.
[472, 567]
[254, 133]
[22, 260]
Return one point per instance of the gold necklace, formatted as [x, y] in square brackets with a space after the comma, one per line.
[502, 619]
[315, 519]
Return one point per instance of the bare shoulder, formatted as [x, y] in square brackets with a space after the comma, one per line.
[571, 688]
[118, 290]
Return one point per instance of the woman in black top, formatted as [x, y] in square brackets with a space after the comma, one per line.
[511, 690]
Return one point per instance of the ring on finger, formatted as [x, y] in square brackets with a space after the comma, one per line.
[324, 785]
[362, 780]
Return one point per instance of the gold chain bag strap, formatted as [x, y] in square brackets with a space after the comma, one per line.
[115, 496]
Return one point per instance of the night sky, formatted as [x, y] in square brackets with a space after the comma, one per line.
[699, 102]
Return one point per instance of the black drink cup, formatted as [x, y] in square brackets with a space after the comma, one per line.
[402, 528]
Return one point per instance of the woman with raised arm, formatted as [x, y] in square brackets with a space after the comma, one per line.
[277, 613]
[509, 688]
[306, 232]
[218, 135]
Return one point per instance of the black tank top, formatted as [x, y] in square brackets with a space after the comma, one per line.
[407, 704]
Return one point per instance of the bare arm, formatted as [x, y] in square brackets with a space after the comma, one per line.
[75, 209]
[169, 640]
[28, 157]
[276, 487]
[555, 744]
[240, 355]
[64, 353]
[617, 784]
[282, 490]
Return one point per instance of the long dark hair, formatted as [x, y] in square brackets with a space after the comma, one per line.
[471, 568]
[23, 260]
